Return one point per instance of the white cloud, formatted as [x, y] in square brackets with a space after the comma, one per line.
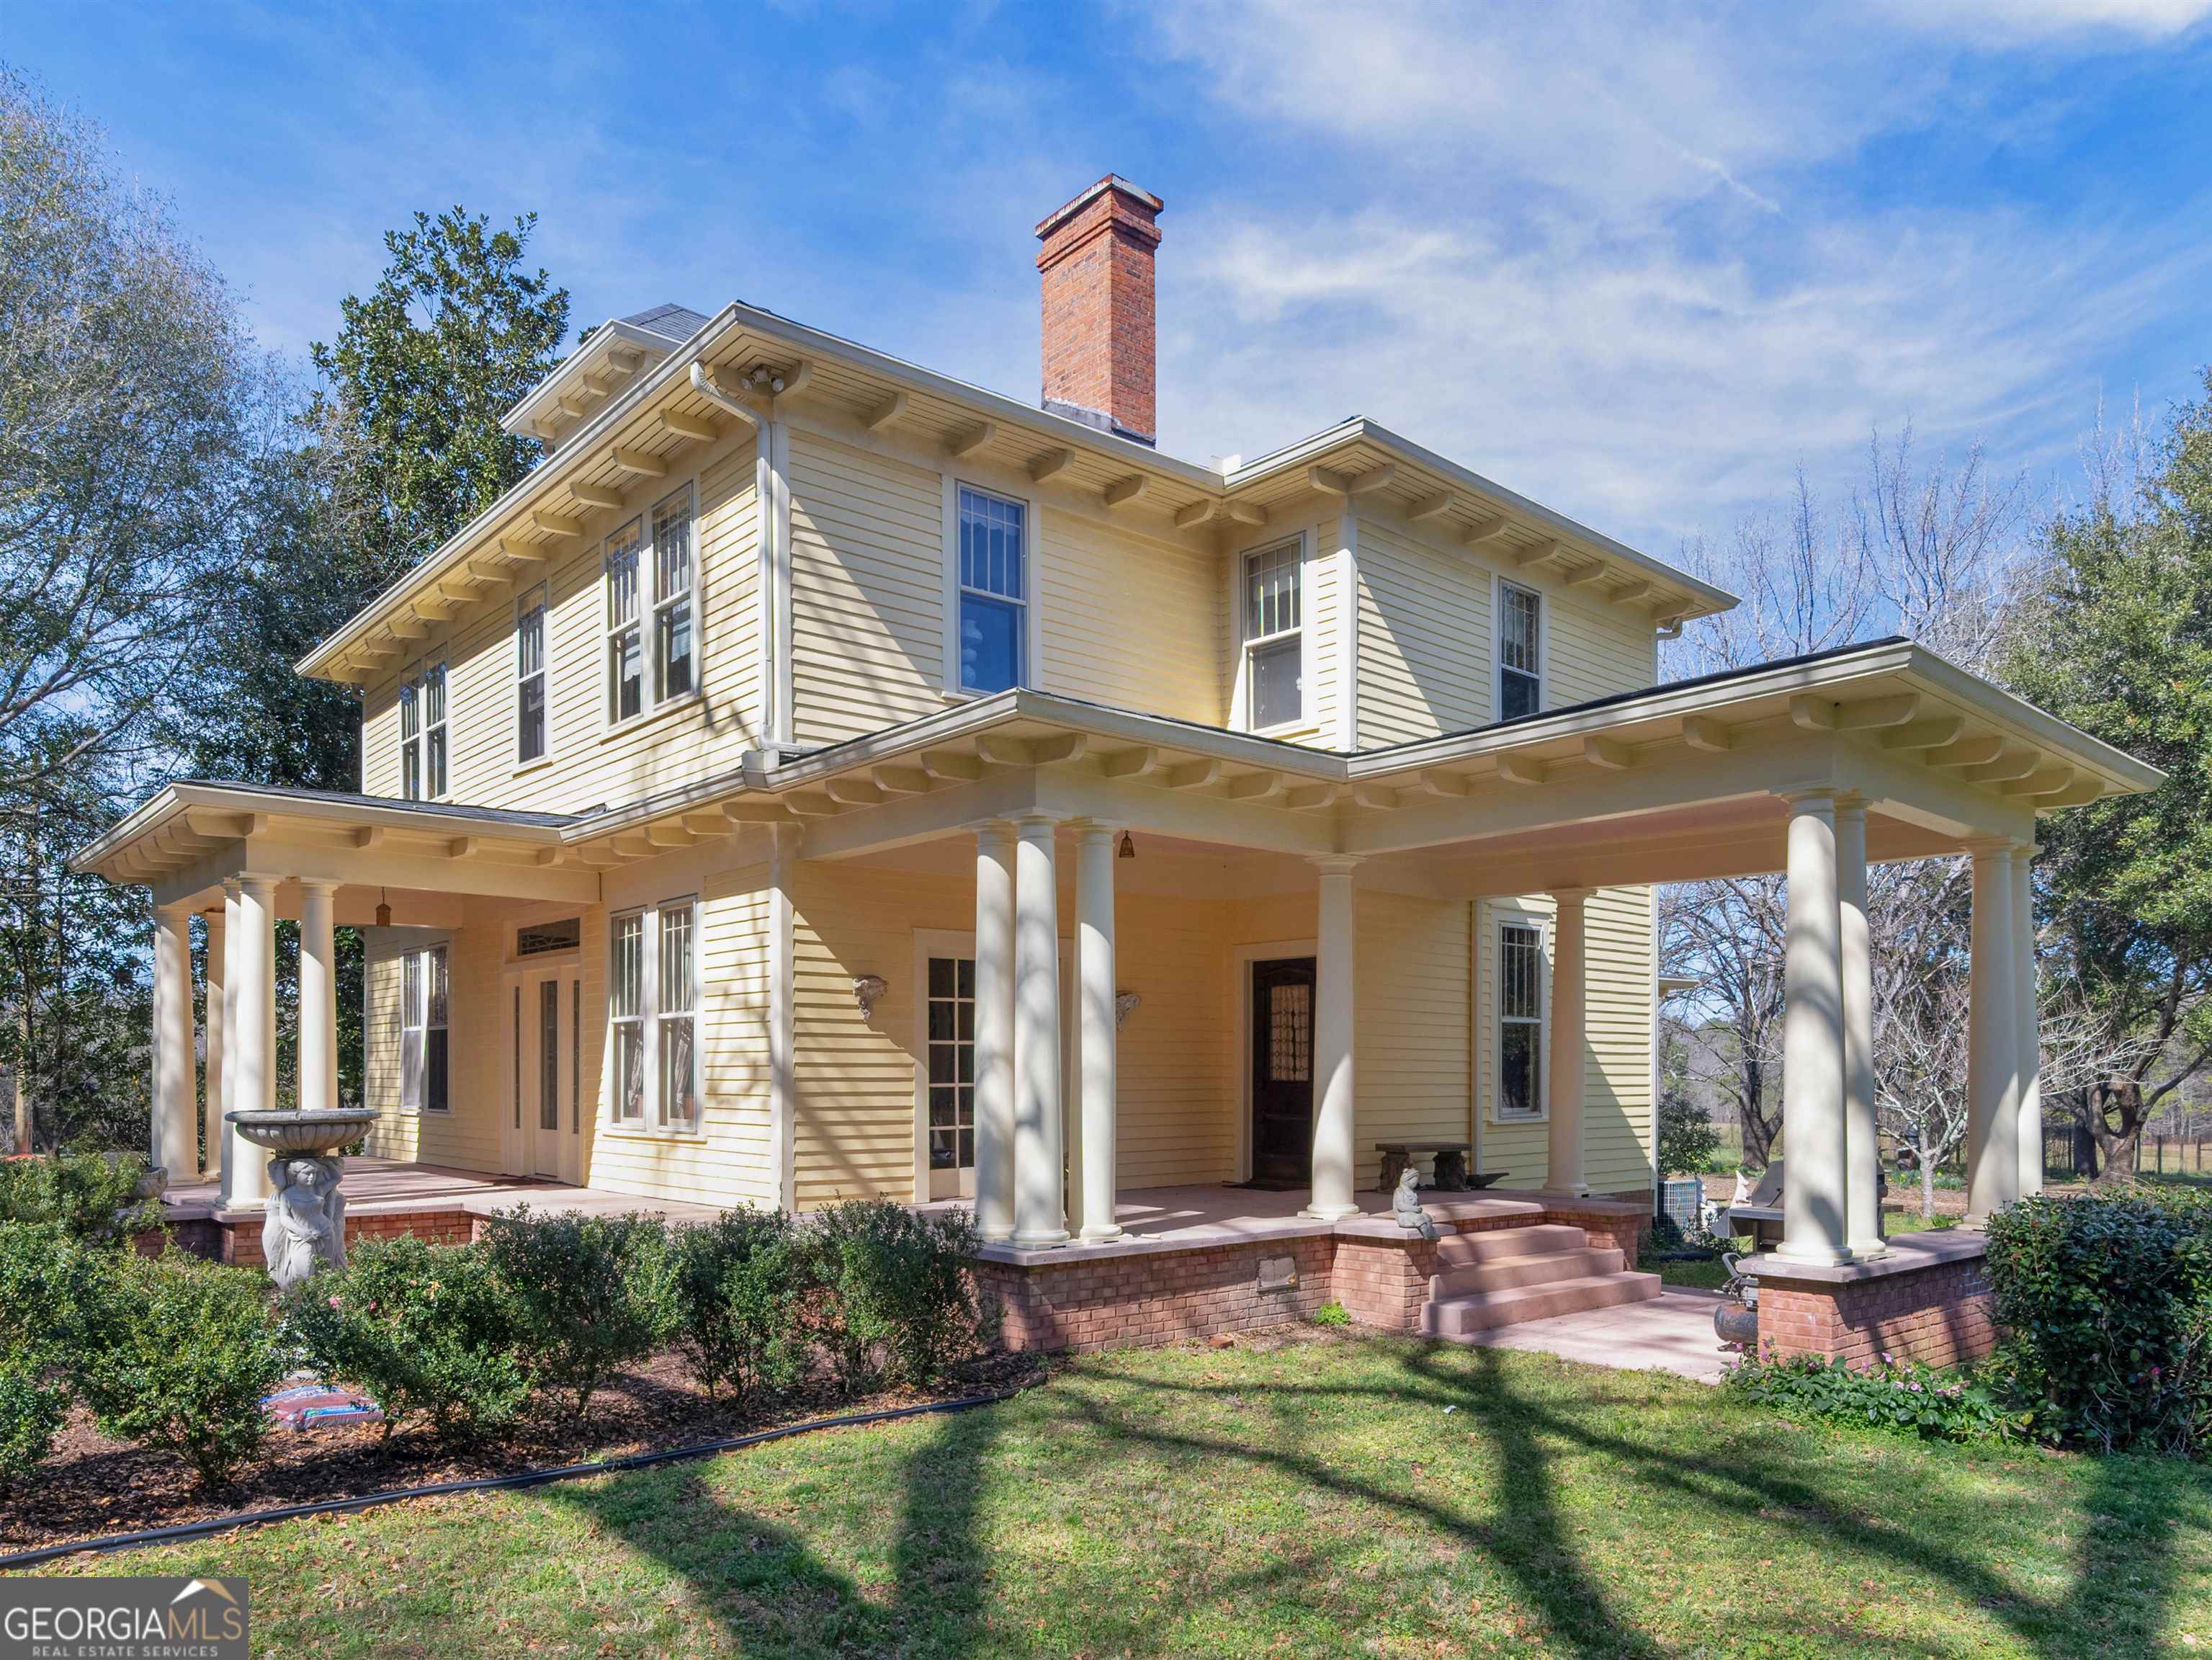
[2012, 22]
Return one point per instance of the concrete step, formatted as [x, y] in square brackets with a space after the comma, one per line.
[1509, 1273]
[1456, 1317]
[1464, 1251]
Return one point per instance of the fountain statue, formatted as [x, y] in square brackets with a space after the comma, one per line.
[304, 1227]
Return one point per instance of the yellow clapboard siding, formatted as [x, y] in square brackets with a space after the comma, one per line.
[1424, 657]
[1128, 621]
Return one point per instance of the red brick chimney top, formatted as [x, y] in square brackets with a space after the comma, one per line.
[1096, 269]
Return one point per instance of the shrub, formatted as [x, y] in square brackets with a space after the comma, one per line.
[47, 1279]
[423, 1330]
[1332, 1314]
[1906, 1396]
[2105, 1307]
[741, 1283]
[586, 1295]
[177, 1354]
[1688, 1137]
[899, 1302]
[91, 1194]
[31, 1412]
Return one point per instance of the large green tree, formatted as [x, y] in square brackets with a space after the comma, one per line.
[2116, 636]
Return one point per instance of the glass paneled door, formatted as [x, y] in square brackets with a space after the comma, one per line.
[548, 1074]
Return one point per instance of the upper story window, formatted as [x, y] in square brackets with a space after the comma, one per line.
[1520, 640]
[675, 670]
[625, 644]
[652, 1005]
[1520, 1020]
[993, 597]
[422, 735]
[1274, 645]
[529, 677]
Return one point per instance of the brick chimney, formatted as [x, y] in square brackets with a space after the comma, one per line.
[1096, 271]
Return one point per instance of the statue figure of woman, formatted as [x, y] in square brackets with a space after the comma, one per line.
[306, 1225]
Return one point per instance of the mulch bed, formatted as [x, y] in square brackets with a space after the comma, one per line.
[93, 1486]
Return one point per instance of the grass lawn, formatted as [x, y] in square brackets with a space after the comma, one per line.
[1317, 1496]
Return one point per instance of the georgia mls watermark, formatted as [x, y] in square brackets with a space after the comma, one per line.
[123, 1619]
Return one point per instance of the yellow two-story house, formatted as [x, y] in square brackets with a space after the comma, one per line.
[820, 778]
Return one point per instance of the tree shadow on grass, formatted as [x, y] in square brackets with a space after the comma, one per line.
[2136, 1504]
[772, 1592]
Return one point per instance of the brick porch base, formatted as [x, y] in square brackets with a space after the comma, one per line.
[1927, 1300]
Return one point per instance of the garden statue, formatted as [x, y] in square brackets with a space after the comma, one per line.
[306, 1225]
[1406, 1203]
[304, 1228]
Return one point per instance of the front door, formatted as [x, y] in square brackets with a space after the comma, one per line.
[1282, 1071]
[551, 1101]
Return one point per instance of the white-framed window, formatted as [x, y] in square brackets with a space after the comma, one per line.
[530, 701]
[991, 621]
[675, 603]
[422, 1030]
[1521, 972]
[949, 1034]
[625, 637]
[1519, 649]
[423, 749]
[653, 1007]
[1274, 637]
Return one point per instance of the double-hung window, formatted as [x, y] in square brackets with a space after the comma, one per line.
[993, 597]
[422, 1029]
[1274, 645]
[675, 668]
[422, 735]
[529, 677]
[625, 644]
[1520, 639]
[1520, 1020]
[653, 1009]
[951, 1040]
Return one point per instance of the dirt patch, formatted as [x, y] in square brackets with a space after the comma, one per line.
[94, 1486]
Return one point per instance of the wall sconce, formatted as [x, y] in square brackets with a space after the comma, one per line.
[1129, 846]
[868, 990]
[1125, 1004]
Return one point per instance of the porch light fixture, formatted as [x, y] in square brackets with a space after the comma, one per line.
[1125, 1004]
[383, 909]
[868, 990]
[1129, 846]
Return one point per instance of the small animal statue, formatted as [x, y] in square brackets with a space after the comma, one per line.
[1406, 1205]
[305, 1228]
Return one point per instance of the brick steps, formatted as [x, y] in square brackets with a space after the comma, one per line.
[1507, 1275]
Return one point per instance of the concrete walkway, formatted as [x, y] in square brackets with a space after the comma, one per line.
[1672, 1332]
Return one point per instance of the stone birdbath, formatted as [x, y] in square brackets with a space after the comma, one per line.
[305, 1228]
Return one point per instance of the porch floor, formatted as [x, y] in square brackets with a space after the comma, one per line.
[394, 1186]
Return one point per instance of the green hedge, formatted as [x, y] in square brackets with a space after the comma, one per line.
[91, 1194]
[2105, 1307]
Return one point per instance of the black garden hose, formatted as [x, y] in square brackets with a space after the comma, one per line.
[536, 1478]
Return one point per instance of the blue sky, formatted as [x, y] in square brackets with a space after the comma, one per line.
[1639, 261]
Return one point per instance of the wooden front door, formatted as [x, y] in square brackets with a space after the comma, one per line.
[1282, 1071]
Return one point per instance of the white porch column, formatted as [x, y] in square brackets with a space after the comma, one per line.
[318, 997]
[1335, 1022]
[2026, 1024]
[1562, 1063]
[1862, 1142]
[211, 1106]
[253, 1034]
[1814, 1160]
[1040, 1169]
[994, 1030]
[1095, 1036]
[232, 1147]
[176, 1143]
[1992, 1060]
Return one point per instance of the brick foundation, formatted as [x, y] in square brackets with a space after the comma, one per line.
[1929, 1300]
[1152, 1298]
[220, 1239]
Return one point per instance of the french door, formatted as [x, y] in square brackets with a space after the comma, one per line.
[548, 1006]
